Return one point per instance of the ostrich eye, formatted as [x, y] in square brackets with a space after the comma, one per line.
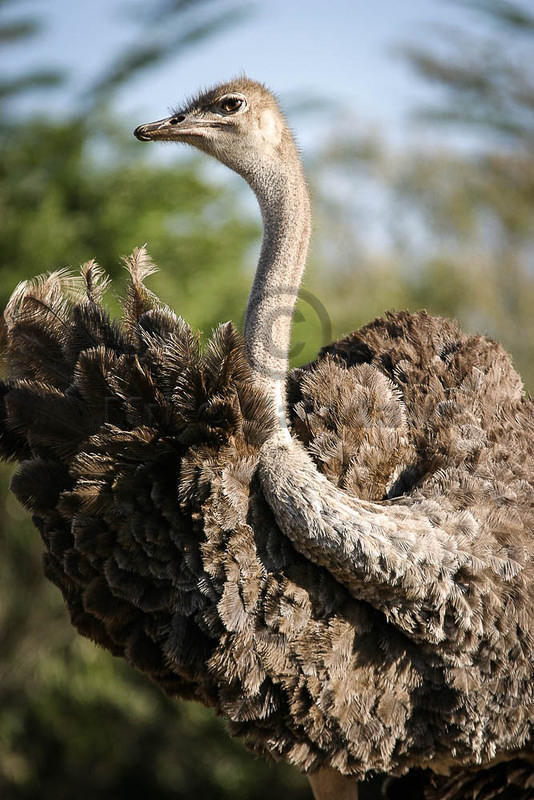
[231, 104]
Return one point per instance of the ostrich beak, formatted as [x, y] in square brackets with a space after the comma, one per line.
[171, 129]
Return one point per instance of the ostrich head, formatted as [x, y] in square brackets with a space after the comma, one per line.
[239, 123]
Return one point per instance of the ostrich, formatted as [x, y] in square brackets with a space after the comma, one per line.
[337, 559]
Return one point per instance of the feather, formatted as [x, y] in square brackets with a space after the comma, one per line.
[90, 327]
[13, 445]
[50, 421]
[51, 293]
[224, 359]
[96, 281]
[139, 299]
[39, 483]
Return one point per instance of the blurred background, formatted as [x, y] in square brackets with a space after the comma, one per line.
[416, 122]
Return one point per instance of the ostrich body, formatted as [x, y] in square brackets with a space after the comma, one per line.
[342, 567]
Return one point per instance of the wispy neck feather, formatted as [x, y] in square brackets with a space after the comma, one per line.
[280, 187]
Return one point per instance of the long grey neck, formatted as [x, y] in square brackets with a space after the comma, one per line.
[283, 197]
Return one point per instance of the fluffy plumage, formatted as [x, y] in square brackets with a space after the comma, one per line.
[138, 459]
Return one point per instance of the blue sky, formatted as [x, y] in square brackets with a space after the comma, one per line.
[340, 49]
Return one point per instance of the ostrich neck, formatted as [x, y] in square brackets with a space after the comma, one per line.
[285, 207]
[405, 558]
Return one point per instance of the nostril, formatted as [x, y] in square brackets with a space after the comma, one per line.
[178, 118]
